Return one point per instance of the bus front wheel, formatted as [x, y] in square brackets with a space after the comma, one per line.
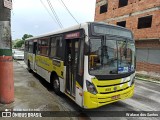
[56, 86]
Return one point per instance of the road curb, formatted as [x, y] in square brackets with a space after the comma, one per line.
[147, 80]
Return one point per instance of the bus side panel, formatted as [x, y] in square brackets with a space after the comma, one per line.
[63, 81]
[87, 97]
[79, 94]
[30, 59]
[26, 57]
[45, 66]
[62, 85]
[43, 73]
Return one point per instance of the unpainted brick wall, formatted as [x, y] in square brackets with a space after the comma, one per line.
[132, 21]
[144, 66]
[133, 6]
[148, 44]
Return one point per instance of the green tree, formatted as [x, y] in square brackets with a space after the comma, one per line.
[18, 43]
[25, 36]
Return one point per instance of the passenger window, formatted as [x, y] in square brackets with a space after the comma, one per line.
[43, 46]
[30, 46]
[53, 47]
[26, 46]
[56, 47]
[39, 46]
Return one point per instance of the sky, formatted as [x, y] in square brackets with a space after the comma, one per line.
[31, 17]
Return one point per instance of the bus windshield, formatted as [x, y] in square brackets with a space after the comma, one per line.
[111, 30]
[110, 56]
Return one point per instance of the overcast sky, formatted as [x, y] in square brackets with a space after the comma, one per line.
[31, 17]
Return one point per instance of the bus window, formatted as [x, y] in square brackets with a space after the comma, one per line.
[81, 54]
[53, 47]
[30, 46]
[43, 46]
[26, 46]
[59, 47]
[39, 47]
[56, 47]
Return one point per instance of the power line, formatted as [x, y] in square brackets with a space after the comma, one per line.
[53, 11]
[69, 11]
[48, 12]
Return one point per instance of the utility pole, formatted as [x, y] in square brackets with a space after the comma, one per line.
[6, 62]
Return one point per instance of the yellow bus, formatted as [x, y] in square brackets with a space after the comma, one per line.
[92, 63]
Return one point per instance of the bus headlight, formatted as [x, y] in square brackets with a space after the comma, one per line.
[90, 87]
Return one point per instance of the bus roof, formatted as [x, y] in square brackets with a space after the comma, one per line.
[59, 31]
[72, 28]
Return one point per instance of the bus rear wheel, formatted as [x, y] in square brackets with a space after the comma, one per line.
[29, 67]
[56, 86]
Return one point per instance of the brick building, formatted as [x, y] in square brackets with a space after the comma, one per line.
[143, 18]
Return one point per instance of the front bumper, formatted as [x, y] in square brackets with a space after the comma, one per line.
[94, 101]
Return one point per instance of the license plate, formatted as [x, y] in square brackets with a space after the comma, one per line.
[115, 97]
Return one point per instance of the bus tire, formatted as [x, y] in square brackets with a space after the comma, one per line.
[56, 85]
[29, 67]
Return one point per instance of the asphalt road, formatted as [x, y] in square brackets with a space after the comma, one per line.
[146, 98]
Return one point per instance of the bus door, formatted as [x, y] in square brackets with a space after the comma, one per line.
[34, 54]
[72, 60]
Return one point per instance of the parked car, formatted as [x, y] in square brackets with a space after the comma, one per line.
[14, 50]
[19, 55]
